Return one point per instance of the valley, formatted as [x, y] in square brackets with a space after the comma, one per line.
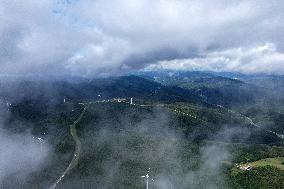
[109, 139]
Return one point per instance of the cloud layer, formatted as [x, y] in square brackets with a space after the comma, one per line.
[101, 38]
[259, 59]
[21, 153]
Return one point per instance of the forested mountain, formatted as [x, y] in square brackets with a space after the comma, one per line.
[193, 129]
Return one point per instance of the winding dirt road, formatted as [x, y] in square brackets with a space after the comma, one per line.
[76, 155]
[250, 121]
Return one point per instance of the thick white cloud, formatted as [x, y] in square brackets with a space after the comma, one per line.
[259, 59]
[104, 37]
[21, 153]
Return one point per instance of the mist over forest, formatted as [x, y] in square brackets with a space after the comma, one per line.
[135, 94]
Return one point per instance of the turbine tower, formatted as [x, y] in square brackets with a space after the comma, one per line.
[147, 178]
[40, 141]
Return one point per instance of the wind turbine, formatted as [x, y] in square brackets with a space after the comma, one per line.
[40, 141]
[147, 178]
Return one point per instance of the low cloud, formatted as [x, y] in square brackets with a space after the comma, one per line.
[259, 59]
[118, 151]
[21, 154]
[101, 38]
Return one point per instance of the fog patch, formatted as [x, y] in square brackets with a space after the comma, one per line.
[20, 153]
[118, 151]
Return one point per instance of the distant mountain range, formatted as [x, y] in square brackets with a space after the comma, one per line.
[228, 89]
[167, 87]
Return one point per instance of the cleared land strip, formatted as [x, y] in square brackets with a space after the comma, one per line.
[277, 162]
[250, 121]
[77, 151]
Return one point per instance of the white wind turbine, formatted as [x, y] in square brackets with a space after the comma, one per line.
[147, 178]
[40, 141]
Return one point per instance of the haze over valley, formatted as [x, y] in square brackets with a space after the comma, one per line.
[137, 94]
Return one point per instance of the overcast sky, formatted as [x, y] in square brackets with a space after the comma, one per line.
[107, 37]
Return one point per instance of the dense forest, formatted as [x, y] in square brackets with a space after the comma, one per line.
[187, 139]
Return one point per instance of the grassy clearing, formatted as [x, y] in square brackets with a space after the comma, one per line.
[276, 162]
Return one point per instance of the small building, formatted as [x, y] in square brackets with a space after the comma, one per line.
[245, 168]
[119, 99]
